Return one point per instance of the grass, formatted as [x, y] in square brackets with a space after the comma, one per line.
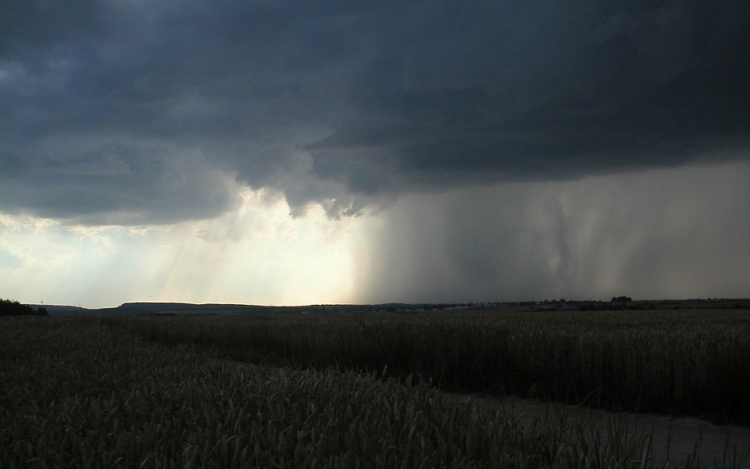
[678, 362]
[81, 392]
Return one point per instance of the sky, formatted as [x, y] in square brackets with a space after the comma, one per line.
[293, 152]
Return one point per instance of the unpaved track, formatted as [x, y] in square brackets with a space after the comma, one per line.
[672, 438]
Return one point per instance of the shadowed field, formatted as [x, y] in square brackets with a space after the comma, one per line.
[676, 362]
[87, 392]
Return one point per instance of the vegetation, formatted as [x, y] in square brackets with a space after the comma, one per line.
[360, 390]
[76, 393]
[677, 362]
[14, 308]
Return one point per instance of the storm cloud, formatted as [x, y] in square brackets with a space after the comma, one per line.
[348, 104]
[426, 151]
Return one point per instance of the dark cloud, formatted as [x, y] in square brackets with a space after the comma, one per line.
[347, 104]
[109, 182]
[556, 91]
[32, 24]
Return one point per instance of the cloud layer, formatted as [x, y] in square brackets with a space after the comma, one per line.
[134, 112]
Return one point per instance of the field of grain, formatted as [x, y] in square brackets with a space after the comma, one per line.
[171, 392]
[678, 362]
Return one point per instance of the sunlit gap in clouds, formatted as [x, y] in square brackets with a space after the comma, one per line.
[255, 254]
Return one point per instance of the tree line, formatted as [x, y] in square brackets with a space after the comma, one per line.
[14, 308]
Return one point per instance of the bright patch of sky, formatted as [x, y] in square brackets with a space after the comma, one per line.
[256, 254]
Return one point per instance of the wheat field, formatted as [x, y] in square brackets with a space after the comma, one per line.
[89, 392]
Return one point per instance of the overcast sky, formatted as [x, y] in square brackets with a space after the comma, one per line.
[287, 152]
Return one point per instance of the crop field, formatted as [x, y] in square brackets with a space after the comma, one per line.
[347, 391]
[692, 362]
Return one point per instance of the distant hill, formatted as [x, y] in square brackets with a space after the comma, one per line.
[189, 308]
[185, 309]
[61, 310]
[153, 309]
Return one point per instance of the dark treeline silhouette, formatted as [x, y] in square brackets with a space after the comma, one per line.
[621, 299]
[14, 308]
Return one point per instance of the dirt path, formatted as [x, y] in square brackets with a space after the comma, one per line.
[672, 439]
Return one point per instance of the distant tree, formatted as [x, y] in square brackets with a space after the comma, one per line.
[621, 299]
[14, 308]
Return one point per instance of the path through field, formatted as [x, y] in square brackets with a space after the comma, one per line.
[672, 438]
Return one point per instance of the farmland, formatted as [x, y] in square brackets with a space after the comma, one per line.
[690, 362]
[358, 390]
